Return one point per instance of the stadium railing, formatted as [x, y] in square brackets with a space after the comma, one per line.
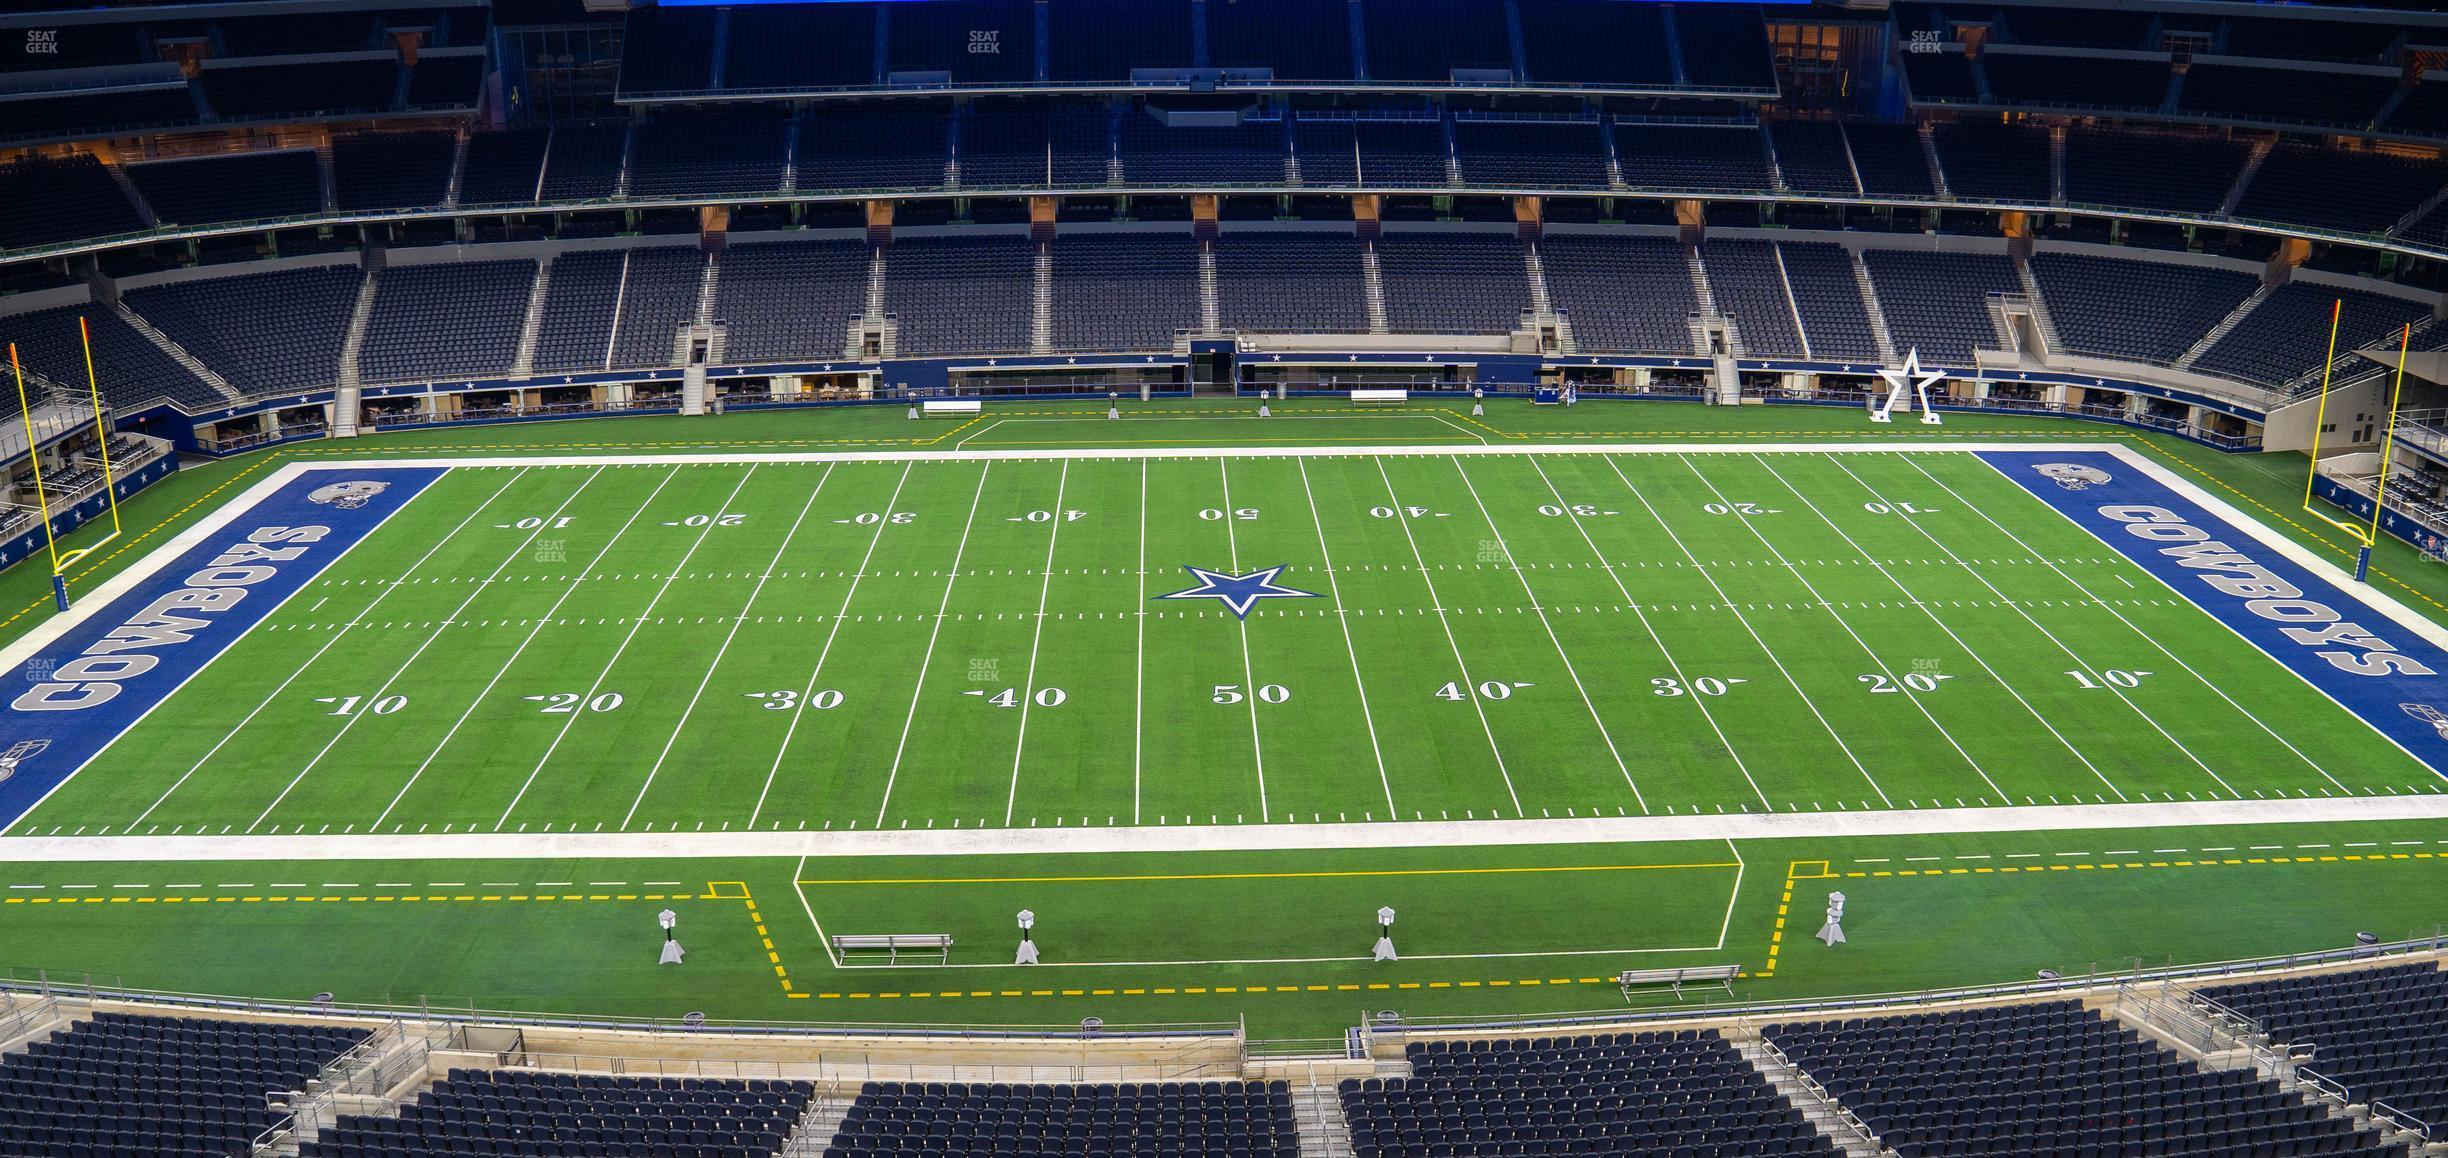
[90, 988]
[1394, 1025]
[2381, 240]
[2089, 411]
[2401, 1120]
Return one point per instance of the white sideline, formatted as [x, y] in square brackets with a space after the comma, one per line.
[1223, 837]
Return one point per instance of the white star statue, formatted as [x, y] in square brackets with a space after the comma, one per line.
[1912, 377]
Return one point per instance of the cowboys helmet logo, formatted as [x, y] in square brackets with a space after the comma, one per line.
[19, 753]
[348, 496]
[2073, 476]
[2429, 715]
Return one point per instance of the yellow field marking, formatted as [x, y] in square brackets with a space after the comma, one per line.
[957, 429]
[2306, 532]
[2131, 865]
[1595, 868]
[384, 898]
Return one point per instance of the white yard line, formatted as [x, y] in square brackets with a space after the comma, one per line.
[1470, 688]
[1228, 837]
[1672, 665]
[1753, 632]
[1941, 624]
[1910, 696]
[2130, 625]
[335, 638]
[1139, 654]
[413, 656]
[927, 660]
[1045, 588]
[799, 706]
[1483, 441]
[580, 709]
[725, 647]
[798, 874]
[963, 441]
[538, 629]
[1726, 924]
[583, 708]
[1535, 608]
[1249, 677]
[1335, 591]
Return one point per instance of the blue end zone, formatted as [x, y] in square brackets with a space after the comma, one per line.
[124, 657]
[2374, 667]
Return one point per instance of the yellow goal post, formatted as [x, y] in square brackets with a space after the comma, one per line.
[62, 560]
[2365, 533]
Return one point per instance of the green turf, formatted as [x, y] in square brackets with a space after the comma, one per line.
[1924, 912]
[712, 647]
[1137, 734]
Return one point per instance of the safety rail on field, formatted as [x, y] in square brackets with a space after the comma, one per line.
[1393, 1026]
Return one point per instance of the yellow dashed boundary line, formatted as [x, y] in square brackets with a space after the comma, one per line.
[2105, 866]
[2306, 532]
[1808, 870]
[373, 898]
[1795, 871]
[719, 891]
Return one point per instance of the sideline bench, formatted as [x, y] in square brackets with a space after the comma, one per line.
[1715, 974]
[951, 407]
[893, 946]
[1379, 397]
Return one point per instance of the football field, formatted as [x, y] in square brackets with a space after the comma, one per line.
[942, 643]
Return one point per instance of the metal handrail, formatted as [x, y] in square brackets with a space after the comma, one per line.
[2401, 1119]
[1844, 1113]
[431, 1008]
[1822, 1007]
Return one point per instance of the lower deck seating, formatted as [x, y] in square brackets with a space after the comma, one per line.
[521, 1114]
[2050, 1078]
[791, 299]
[1750, 289]
[2381, 1033]
[974, 1120]
[2134, 310]
[1687, 1094]
[1623, 294]
[1938, 302]
[221, 321]
[1835, 322]
[1291, 283]
[2287, 334]
[135, 1084]
[961, 295]
[1453, 283]
[1123, 291]
[446, 321]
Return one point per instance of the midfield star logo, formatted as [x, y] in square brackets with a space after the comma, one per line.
[1239, 592]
